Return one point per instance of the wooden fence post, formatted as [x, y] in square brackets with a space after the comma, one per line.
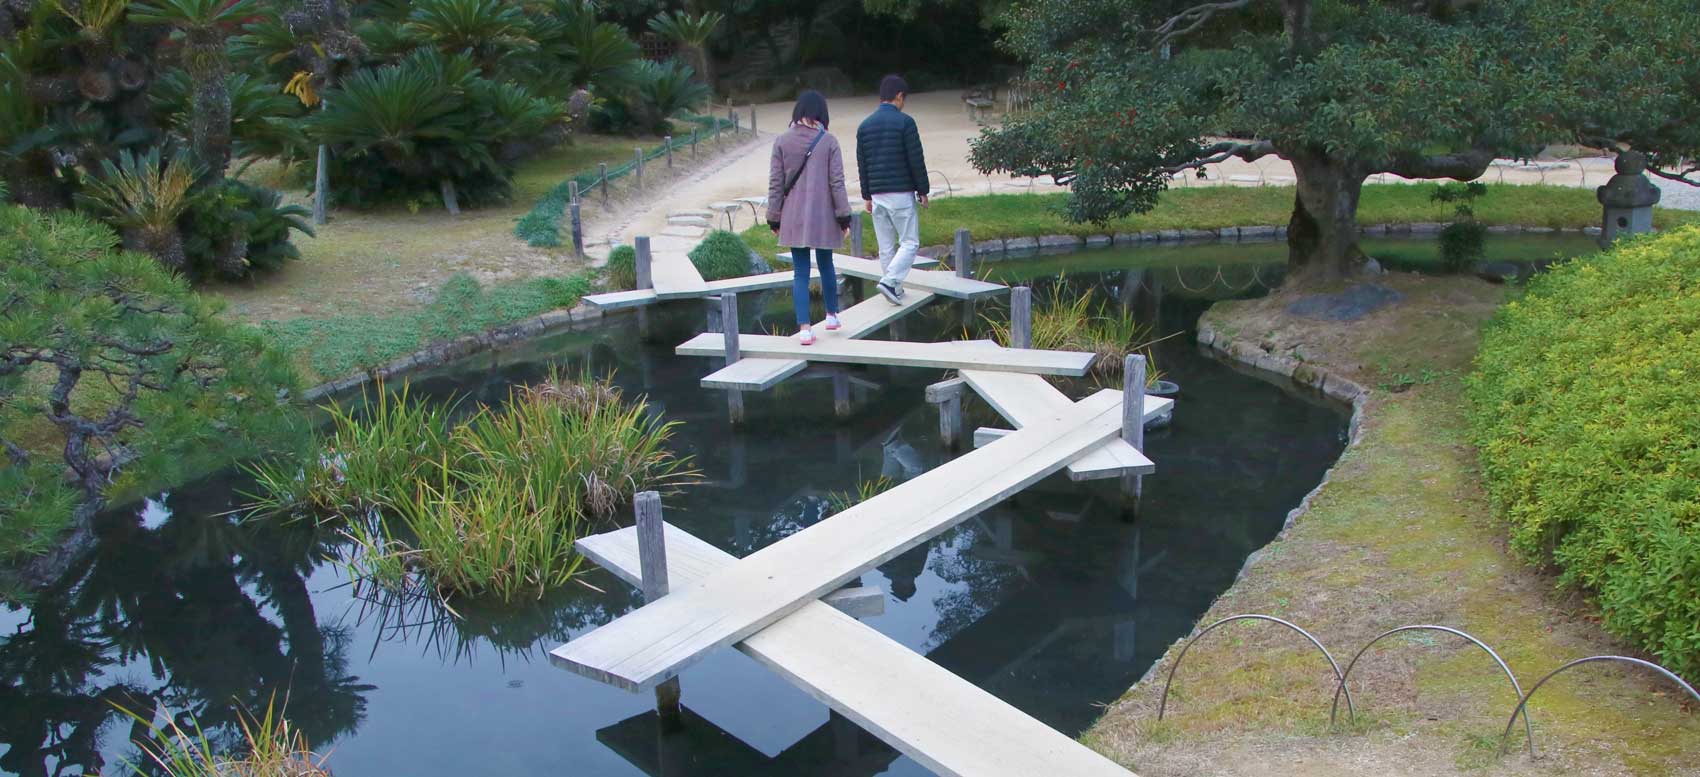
[652, 564]
[669, 141]
[602, 167]
[693, 143]
[1133, 424]
[637, 167]
[1021, 317]
[752, 119]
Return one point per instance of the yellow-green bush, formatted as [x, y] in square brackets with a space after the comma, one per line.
[1585, 409]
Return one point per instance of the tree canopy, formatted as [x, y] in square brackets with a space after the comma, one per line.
[1132, 93]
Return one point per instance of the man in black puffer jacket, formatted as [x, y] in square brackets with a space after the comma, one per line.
[894, 183]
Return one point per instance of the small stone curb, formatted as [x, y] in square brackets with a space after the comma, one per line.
[993, 249]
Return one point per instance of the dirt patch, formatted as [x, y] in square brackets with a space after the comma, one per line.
[1402, 534]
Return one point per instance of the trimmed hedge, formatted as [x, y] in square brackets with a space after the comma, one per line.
[1585, 411]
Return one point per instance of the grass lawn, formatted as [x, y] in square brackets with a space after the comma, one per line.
[1402, 534]
[371, 262]
[1029, 215]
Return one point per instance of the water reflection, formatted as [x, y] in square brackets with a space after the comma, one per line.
[1054, 601]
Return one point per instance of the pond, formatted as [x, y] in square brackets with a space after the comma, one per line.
[1056, 601]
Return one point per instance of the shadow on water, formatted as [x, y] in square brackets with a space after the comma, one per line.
[1052, 601]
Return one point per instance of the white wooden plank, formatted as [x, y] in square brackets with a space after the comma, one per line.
[674, 276]
[872, 314]
[753, 374]
[934, 281]
[947, 355]
[616, 300]
[646, 647]
[940, 720]
[689, 559]
[1022, 399]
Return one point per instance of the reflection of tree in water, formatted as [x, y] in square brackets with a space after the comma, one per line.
[456, 631]
[173, 618]
[977, 584]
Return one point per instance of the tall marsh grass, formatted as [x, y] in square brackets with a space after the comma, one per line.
[272, 748]
[487, 505]
[1064, 321]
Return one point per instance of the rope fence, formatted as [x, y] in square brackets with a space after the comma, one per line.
[541, 228]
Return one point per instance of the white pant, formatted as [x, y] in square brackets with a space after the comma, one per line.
[898, 228]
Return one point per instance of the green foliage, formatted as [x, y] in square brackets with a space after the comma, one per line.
[401, 130]
[264, 122]
[138, 379]
[338, 346]
[622, 268]
[721, 254]
[1583, 411]
[685, 28]
[1066, 320]
[143, 196]
[271, 747]
[1342, 90]
[839, 501]
[667, 90]
[237, 228]
[1461, 243]
[489, 505]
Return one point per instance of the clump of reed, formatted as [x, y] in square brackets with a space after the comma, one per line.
[272, 748]
[839, 501]
[1063, 321]
[486, 505]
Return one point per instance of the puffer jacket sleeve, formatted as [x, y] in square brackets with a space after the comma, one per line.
[917, 161]
[775, 183]
[862, 159]
[835, 180]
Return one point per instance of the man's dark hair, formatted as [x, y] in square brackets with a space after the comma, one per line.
[891, 86]
[810, 105]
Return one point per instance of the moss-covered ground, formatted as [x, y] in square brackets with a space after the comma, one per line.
[1401, 534]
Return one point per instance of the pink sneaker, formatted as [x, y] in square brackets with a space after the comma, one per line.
[832, 321]
[806, 337]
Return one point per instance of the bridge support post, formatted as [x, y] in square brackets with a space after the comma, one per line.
[652, 561]
[1133, 427]
[641, 271]
[729, 326]
[947, 395]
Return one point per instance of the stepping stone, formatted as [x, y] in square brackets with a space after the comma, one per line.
[683, 231]
[689, 221]
[701, 214]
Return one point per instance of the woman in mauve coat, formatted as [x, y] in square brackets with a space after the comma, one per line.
[816, 211]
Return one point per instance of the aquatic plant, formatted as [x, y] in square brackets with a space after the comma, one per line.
[1066, 322]
[839, 501]
[273, 748]
[488, 505]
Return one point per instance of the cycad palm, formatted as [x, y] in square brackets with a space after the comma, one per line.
[144, 196]
[692, 34]
[205, 25]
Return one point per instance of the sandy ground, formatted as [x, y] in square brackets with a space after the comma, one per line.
[945, 133]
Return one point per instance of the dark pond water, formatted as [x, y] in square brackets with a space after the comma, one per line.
[1056, 601]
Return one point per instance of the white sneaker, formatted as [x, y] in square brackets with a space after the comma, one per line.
[832, 321]
[806, 337]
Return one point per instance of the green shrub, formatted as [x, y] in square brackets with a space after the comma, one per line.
[721, 255]
[622, 268]
[1584, 411]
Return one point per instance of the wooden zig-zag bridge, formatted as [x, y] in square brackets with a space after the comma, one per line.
[785, 605]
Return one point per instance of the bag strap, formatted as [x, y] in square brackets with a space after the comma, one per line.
[799, 174]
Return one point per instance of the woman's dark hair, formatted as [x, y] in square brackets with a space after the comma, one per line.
[810, 105]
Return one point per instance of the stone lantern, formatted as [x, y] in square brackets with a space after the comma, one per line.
[1628, 199]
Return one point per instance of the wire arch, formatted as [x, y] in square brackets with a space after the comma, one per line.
[1351, 709]
[1334, 708]
[1522, 703]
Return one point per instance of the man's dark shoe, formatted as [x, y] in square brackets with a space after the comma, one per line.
[892, 295]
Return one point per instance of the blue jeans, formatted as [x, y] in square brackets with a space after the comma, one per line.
[800, 281]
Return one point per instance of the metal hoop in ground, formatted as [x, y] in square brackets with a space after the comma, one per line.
[1351, 709]
[1521, 703]
[1334, 709]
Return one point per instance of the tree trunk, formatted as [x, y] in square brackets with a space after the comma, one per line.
[209, 127]
[1322, 236]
